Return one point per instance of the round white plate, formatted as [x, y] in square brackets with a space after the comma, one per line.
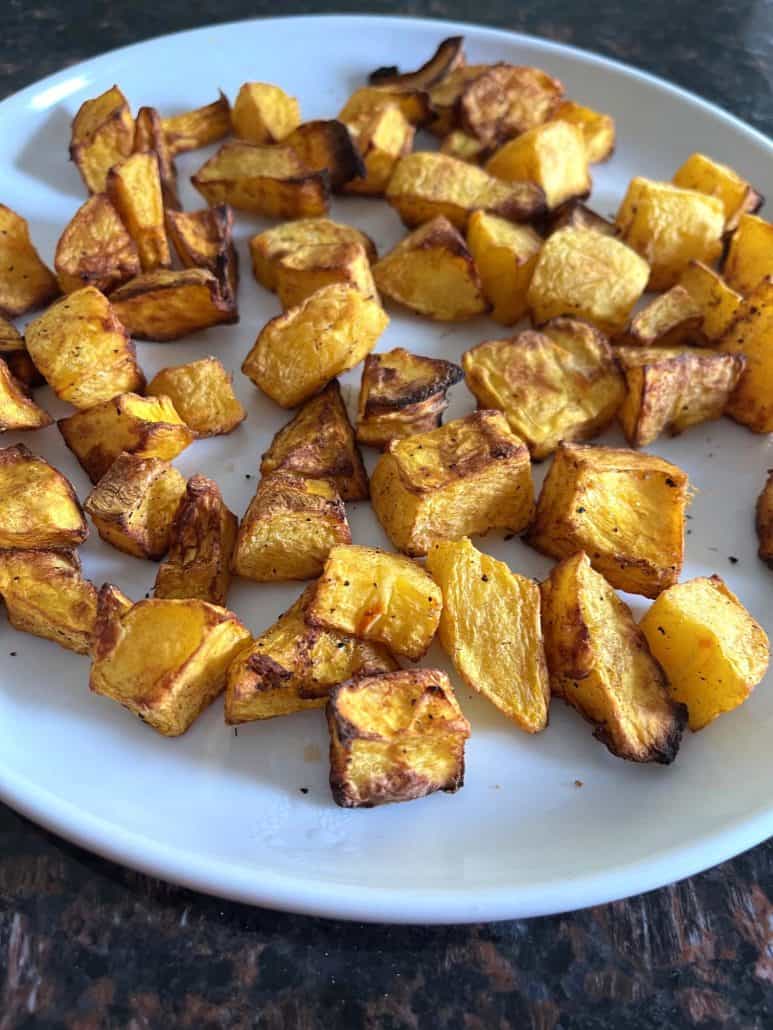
[249, 816]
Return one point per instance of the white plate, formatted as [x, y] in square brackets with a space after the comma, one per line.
[225, 813]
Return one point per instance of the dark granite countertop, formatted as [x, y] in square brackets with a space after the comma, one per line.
[85, 944]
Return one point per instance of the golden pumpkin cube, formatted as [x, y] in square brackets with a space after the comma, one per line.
[413, 103]
[264, 113]
[164, 660]
[586, 275]
[134, 188]
[308, 269]
[467, 477]
[764, 520]
[149, 137]
[670, 227]
[95, 248]
[289, 528]
[508, 100]
[25, 281]
[167, 304]
[751, 403]
[83, 349]
[190, 130]
[319, 443]
[374, 595]
[598, 130]
[17, 409]
[203, 396]
[749, 257]
[600, 664]
[38, 507]
[709, 646]
[490, 626]
[553, 155]
[146, 426]
[395, 737]
[718, 302]
[382, 137]
[505, 256]
[561, 383]
[402, 394]
[671, 319]
[292, 666]
[270, 249]
[45, 594]
[326, 145]
[102, 135]
[625, 509]
[134, 504]
[201, 542]
[203, 239]
[702, 173]
[432, 272]
[296, 354]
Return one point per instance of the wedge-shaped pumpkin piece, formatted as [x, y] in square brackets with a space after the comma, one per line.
[508, 100]
[505, 256]
[709, 646]
[38, 507]
[299, 352]
[264, 113]
[201, 542]
[561, 383]
[310, 268]
[490, 626]
[467, 477]
[625, 509]
[17, 409]
[671, 319]
[553, 155]
[292, 666]
[750, 334]
[432, 272]
[702, 173]
[271, 249]
[149, 137]
[600, 664]
[102, 135]
[134, 504]
[718, 302]
[448, 56]
[750, 254]
[326, 145]
[25, 282]
[402, 394]
[462, 145]
[669, 389]
[598, 130]
[576, 215]
[427, 184]
[319, 443]
[670, 226]
[134, 188]
[148, 427]
[203, 239]
[764, 520]
[413, 103]
[590, 276]
[14, 353]
[168, 304]
[289, 529]
[382, 137]
[190, 130]
[377, 596]
[203, 395]
[395, 737]
[83, 349]
[269, 180]
[46, 595]
[95, 248]
[164, 660]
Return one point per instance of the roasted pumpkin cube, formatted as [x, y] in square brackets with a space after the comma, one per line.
[432, 272]
[625, 509]
[448, 56]
[148, 427]
[600, 664]
[669, 389]
[199, 127]
[46, 595]
[490, 626]
[395, 737]
[168, 304]
[702, 173]
[717, 301]
[558, 384]
[326, 145]
[289, 529]
[427, 184]
[134, 503]
[749, 257]
[751, 403]
[270, 249]
[202, 394]
[382, 136]
[296, 354]
[402, 394]
[671, 319]
[17, 409]
[467, 477]
[38, 507]
[445, 95]
[264, 113]
[149, 137]
[508, 100]
[670, 226]
[319, 443]
[84, 350]
[377, 596]
[576, 215]
[134, 188]
[14, 353]
[308, 269]
[203, 239]
[505, 256]
[102, 135]
[464, 147]
[764, 520]
[25, 282]
[553, 155]
[598, 130]
[95, 248]
[164, 660]
[413, 103]
[587, 275]
[292, 666]
[201, 542]
[269, 179]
